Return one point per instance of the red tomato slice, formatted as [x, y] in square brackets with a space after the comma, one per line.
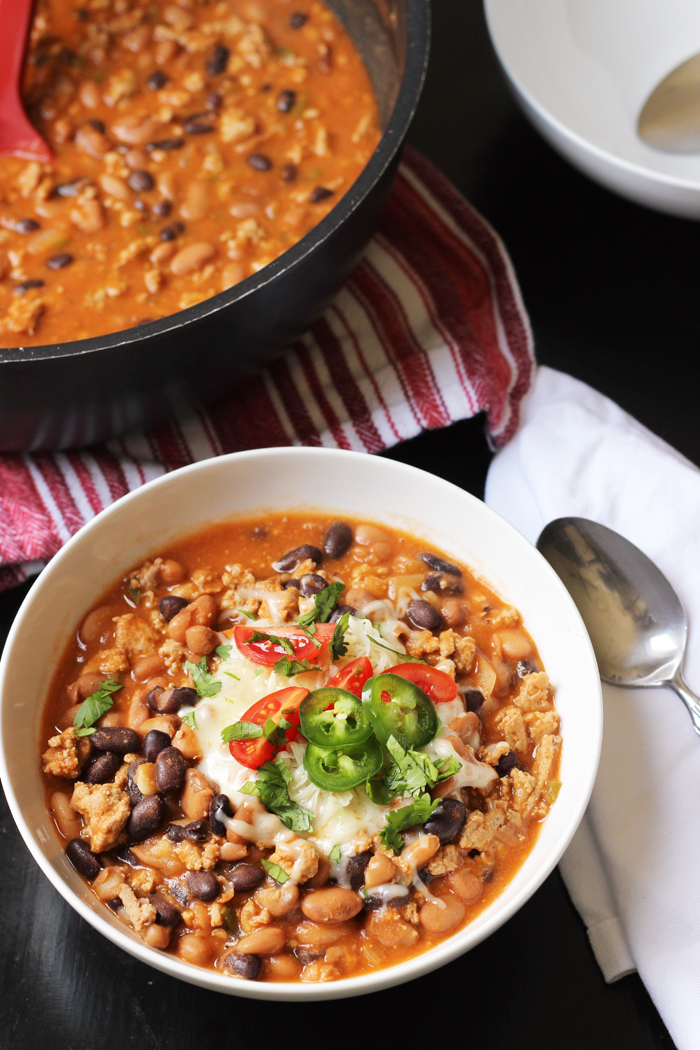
[254, 753]
[268, 653]
[353, 676]
[438, 685]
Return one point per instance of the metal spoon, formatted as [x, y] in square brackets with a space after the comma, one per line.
[634, 617]
[670, 117]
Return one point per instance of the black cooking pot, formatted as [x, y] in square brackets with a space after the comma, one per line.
[80, 392]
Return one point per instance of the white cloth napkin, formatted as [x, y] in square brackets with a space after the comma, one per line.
[633, 869]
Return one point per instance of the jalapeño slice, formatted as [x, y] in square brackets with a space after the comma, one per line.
[400, 708]
[342, 768]
[333, 717]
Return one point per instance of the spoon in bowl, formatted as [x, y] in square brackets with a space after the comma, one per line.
[635, 619]
[670, 117]
[17, 136]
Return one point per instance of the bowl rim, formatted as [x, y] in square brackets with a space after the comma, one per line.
[491, 9]
[410, 88]
[441, 954]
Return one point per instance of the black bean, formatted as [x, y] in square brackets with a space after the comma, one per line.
[525, 667]
[126, 856]
[171, 605]
[162, 209]
[312, 583]
[439, 564]
[57, 262]
[169, 701]
[135, 795]
[157, 80]
[146, 817]
[337, 540]
[25, 286]
[179, 892]
[116, 738]
[169, 233]
[26, 225]
[297, 19]
[291, 583]
[423, 615]
[247, 966]
[83, 859]
[356, 868]
[220, 805]
[507, 763]
[102, 769]
[115, 904]
[141, 181]
[196, 125]
[306, 955]
[170, 769]
[266, 87]
[340, 611]
[289, 173]
[166, 913]
[259, 161]
[320, 193]
[154, 742]
[218, 60]
[175, 832]
[372, 901]
[447, 820]
[473, 699]
[98, 125]
[441, 583]
[73, 188]
[244, 877]
[203, 885]
[197, 831]
[291, 559]
[165, 144]
[213, 101]
[286, 100]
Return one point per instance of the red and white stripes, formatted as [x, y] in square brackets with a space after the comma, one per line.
[429, 329]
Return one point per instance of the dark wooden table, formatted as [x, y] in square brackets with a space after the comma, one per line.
[612, 294]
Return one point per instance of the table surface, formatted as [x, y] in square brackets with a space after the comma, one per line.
[608, 286]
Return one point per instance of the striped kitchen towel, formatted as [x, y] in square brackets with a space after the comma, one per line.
[429, 329]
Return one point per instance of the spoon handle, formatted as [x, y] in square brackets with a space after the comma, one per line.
[691, 701]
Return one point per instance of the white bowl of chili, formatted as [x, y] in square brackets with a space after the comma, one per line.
[332, 483]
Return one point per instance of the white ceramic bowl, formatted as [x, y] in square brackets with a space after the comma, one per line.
[582, 70]
[242, 485]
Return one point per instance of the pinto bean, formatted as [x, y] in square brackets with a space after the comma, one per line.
[170, 770]
[439, 564]
[423, 615]
[379, 871]
[146, 667]
[331, 905]
[390, 931]
[196, 795]
[358, 597]
[83, 859]
[153, 743]
[267, 941]
[203, 885]
[108, 884]
[247, 966]
[337, 540]
[289, 561]
[146, 817]
[192, 258]
[139, 710]
[171, 572]
[157, 936]
[420, 851]
[67, 819]
[366, 535]
[202, 640]
[318, 938]
[279, 900]
[195, 949]
[447, 821]
[145, 779]
[115, 738]
[91, 141]
[455, 613]
[465, 885]
[437, 920]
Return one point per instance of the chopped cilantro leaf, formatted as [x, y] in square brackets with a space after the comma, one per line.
[256, 674]
[223, 651]
[241, 731]
[232, 675]
[271, 789]
[275, 872]
[398, 820]
[258, 636]
[324, 604]
[204, 683]
[251, 616]
[288, 668]
[338, 645]
[190, 720]
[335, 855]
[134, 594]
[402, 658]
[410, 773]
[96, 705]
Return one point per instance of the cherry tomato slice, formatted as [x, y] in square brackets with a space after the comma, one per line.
[254, 753]
[353, 676]
[438, 685]
[268, 653]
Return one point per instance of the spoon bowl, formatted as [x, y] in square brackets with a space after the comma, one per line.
[18, 137]
[635, 619]
[670, 117]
